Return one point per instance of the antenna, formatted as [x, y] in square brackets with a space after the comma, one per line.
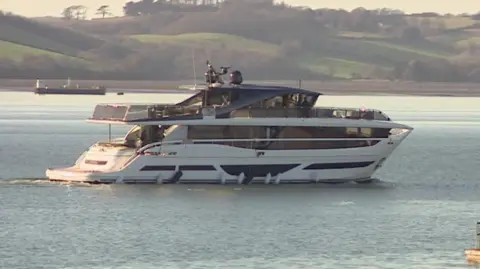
[194, 70]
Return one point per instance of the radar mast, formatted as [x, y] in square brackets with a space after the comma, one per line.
[214, 78]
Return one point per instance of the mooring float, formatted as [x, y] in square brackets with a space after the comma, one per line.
[473, 254]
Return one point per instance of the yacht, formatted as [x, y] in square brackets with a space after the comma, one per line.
[236, 133]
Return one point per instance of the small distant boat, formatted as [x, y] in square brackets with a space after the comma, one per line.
[67, 89]
[473, 254]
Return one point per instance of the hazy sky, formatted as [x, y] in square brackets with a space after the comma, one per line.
[54, 7]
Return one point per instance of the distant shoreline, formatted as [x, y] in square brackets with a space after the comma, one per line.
[359, 87]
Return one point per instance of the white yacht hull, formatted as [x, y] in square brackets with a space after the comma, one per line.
[221, 164]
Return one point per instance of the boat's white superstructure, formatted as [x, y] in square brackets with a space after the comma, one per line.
[238, 135]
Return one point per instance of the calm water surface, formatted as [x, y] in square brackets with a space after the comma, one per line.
[420, 214]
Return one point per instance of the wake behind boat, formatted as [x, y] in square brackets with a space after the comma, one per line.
[238, 134]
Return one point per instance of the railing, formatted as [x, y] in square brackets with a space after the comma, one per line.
[306, 112]
[125, 112]
[162, 111]
[159, 144]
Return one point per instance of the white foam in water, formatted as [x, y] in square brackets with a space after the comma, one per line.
[343, 203]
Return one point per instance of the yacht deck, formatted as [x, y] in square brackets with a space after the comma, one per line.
[159, 112]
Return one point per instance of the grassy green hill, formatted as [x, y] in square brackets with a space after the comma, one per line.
[211, 41]
[337, 55]
[43, 36]
[310, 44]
[17, 52]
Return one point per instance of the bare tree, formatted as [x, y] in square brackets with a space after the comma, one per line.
[80, 12]
[77, 12]
[67, 13]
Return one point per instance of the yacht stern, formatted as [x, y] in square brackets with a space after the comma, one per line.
[74, 175]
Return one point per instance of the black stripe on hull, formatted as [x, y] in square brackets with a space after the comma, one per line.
[139, 181]
[328, 166]
[158, 168]
[258, 170]
[181, 168]
[197, 168]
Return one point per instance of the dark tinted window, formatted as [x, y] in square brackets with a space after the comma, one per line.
[288, 132]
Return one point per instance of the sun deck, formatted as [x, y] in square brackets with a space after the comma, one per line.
[233, 101]
[164, 112]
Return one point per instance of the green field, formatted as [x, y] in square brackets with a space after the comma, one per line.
[328, 58]
[337, 52]
[333, 66]
[17, 52]
[211, 41]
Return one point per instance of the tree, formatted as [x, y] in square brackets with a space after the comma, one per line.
[104, 11]
[77, 12]
[67, 13]
[80, 12]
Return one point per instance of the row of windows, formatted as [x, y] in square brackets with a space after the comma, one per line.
[246, 132]
[227, 97]
[297, 145]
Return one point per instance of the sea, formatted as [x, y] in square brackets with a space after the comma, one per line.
[420, 212]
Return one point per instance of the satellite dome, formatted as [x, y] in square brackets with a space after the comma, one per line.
[236, 77]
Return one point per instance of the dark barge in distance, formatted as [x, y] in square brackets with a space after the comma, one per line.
[68, 89]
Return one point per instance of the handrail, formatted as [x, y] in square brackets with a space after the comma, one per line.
[159, 111]
[156, 144]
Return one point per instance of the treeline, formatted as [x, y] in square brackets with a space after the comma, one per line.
[275, 23]
[224, 15]
[177, 65]
[149, 7]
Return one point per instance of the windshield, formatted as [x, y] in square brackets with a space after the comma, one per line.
[141, 135]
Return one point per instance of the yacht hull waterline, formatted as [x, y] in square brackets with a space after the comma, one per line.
[237, 134]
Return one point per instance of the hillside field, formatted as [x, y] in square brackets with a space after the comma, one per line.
[140, 46]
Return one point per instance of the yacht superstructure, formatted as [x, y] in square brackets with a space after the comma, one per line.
[238, 134]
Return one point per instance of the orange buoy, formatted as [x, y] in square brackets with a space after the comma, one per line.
[473, 254]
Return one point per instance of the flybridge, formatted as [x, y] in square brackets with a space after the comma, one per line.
[124, 113]
[218, 100]
[135, 112]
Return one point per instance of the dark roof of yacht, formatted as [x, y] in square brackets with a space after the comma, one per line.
[265, 88]
[253, 93]
[250, 94]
